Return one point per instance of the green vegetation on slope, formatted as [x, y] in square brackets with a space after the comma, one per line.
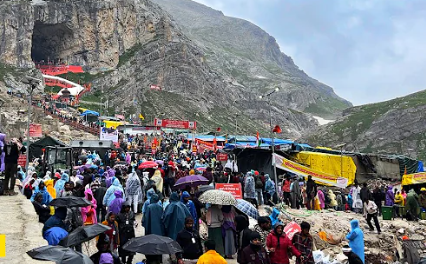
[128, 55]
[360, 118]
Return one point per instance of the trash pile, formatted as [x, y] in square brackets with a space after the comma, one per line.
[329, 229]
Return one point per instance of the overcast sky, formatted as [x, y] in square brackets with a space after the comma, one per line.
[367, 50]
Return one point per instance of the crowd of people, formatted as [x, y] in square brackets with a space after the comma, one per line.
[119, 188]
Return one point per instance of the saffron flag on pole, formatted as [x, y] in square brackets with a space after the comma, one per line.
[141, 117]
[257, 139]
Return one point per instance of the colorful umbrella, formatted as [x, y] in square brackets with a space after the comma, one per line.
[218, 197]
[148, 165]
[247, 208]
[191, 180]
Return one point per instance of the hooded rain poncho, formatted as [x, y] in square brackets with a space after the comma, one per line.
[149, 195]
[117, 203]
[269, 185]
[356, 239]
[88, 213]
[59, 185]
[109, 195]
[174, 216]
[46, 196]
[190, 205]
[151, 220]
[50, 189]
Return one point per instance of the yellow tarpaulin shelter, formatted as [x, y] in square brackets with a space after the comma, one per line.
[113, 124]
[339, 166]
[317, 176]
[82, 110]
[416, 178]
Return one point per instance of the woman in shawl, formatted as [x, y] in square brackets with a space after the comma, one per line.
[185, 199]
[174, 216]
[59, 185]
[50, 189]
[117, 203]
[113, 234]
[356, 239]
[229, 231]
[88, 213]
[110, 193]
[151, 220]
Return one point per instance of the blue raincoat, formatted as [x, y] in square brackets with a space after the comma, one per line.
[269, 185]
[190, 205]
[174, 216]
[151, 220]
[47, 198]
[60, 184]
[356, 240]
[274, 216]
[149, 195]
[54, 235]
[109, 195]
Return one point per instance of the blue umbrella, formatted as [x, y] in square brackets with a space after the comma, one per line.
[247, 208]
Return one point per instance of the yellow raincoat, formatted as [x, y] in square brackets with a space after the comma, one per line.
[211, 257]
[399, 200]
[50, 189]
[158, 180]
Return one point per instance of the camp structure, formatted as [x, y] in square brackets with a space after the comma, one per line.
[100, 146]
[37, 147]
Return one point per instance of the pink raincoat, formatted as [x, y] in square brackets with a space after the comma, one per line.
[88, 213]
[321, 199]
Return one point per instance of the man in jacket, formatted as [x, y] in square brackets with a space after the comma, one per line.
[190, 241]
[370, 211]
[263, 228]
[422, 198]
[11, 152]
[303, 242]
[254, 253]
[311, 192]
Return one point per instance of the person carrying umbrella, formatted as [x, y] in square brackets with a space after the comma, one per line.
[126, 226]
[103, 247]
[151, 219]
[174, 216]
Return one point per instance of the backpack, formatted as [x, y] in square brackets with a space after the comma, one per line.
[258, 184]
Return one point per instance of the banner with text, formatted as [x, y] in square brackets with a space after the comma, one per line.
[169, 123]
[416, 178]
[35, 130]
[318, 176]
[233, 188]
[109, 134]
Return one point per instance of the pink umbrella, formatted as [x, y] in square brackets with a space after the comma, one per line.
[148, 165]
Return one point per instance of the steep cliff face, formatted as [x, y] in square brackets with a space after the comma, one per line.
[129, 45]
[89, 33]
[395, 126]
[250, 57]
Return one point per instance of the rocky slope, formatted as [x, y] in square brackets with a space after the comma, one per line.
[129, 45]
[395, 126]
[250, 57]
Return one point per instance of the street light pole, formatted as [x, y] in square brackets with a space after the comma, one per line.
[272, 135]
[236, 124]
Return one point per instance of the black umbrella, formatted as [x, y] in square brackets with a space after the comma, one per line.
[83, 234]
[61, 255]
[70, 201]
[153, 245]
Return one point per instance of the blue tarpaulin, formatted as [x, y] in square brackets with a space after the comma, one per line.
[89, 112]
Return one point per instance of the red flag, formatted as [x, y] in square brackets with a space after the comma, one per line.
[214, 144]
[277, 129]
[218, 129]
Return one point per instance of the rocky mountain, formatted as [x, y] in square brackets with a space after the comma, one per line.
[128, 45]
[251, 58]
[395, 126]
